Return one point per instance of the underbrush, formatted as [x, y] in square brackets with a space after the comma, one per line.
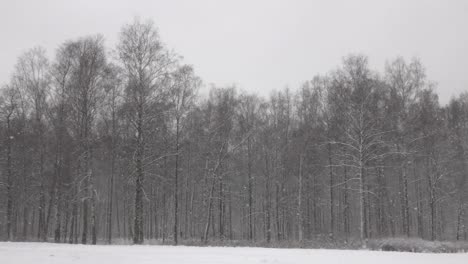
[319, 242]
[401, 244]
[416, 245]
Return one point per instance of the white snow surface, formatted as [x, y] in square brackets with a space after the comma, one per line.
[38, 253]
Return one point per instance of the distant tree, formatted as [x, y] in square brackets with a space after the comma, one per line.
[147, 64]
[363, 139]
[85, 93]
[10, 101]
[182, 92]
[405, 81]
[32, 80]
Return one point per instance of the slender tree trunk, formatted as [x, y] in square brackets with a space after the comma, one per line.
[111, 180]
[406, 214]
[186, 205]
[279, 235]
[52, 202]
[419, 196]
[221, 207]
[268, 202]
[72, 225]
[138, 218]
[210, 211]
[58, 219]
[176, 186]
[93, 215]
[25, 223]
[250, 188]
[460, 218]
[405, 217]
[299, 201]
[138, 222]
[9, 187]
[85, 203]
[347, 206]
[362, 196]
[332, 194]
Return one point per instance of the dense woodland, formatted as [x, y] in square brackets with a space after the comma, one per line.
[99, 144]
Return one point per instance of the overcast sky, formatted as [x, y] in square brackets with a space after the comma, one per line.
[259, 45]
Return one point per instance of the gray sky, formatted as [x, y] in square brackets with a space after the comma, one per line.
[259, 45]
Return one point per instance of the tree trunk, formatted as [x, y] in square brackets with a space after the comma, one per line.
[250, 188]
[210, 211]
[176, 186]
[9, 187]
[460, 219]
[138, 217]
[332, 195]
[111, 183]
[299, 201]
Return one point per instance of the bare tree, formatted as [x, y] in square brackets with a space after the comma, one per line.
[182, 93]
[9, 108]
[32, 79]
[85, 93]
[146, 64]
[363, 132]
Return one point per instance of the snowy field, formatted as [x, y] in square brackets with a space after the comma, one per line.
[37, 253]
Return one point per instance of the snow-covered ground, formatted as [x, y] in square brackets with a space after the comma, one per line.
[37, 253]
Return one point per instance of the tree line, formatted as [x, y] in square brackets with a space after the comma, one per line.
[101, 144]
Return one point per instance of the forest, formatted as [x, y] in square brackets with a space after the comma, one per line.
[104, 144]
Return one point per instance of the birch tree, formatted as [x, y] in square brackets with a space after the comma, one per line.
[147, 64]
[182, 94]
